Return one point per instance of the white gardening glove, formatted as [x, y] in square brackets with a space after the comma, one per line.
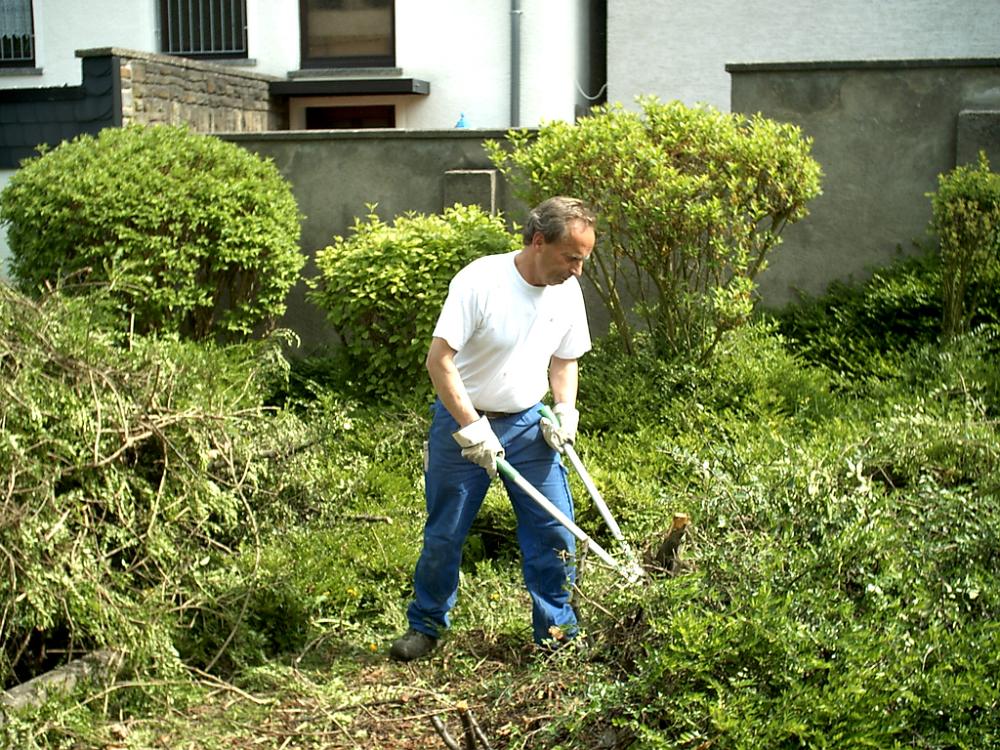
[564, 433]
[480, 444]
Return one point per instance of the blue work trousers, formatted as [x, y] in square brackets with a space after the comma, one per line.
[455, 488]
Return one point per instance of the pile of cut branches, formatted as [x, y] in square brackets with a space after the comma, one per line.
[126, 470]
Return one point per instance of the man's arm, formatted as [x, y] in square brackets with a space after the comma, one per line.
[563, 380]
[448, 383]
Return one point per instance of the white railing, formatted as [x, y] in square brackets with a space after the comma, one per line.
[204, 27]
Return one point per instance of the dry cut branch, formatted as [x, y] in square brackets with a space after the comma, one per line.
[668, 554]
[473, 737]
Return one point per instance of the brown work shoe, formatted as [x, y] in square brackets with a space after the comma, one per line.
[412, 645]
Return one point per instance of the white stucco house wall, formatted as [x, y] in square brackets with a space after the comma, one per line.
[462, 49]
[487, 63]
[677, 49]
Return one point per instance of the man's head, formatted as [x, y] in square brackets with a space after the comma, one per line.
[558, 237]
[553, 217]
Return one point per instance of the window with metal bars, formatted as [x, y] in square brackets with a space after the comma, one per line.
[204, 28]
[17, 34]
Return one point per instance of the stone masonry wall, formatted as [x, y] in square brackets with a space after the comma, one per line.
[161, 89]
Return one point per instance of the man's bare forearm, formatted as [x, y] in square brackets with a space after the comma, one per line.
[564, 379]
[448, 383]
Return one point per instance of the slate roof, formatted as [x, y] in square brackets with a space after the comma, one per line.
[29, 117]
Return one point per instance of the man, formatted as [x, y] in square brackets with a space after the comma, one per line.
[512, 327]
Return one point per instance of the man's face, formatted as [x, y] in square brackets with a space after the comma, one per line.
[563, 258]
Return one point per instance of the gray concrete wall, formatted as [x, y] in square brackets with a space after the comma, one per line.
[335, 174]
[978, 130]
[883, 132]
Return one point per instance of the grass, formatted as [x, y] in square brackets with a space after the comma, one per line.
[839, 586]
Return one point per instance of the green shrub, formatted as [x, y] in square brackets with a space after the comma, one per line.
[197, 235]
[382, 288]
[842, 584]
[691, 202]
[966, 211]
[861, 330]
[756, 374]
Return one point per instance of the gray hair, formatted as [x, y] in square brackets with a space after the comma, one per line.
[553, 216]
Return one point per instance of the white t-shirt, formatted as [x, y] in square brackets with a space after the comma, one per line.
[505, 331]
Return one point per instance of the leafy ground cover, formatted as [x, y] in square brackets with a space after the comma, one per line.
[839, 586]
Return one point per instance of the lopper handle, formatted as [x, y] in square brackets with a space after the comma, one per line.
[508, 471]
[592, 490]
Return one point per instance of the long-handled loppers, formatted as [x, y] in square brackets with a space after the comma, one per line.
[631, 571]
[632, 561]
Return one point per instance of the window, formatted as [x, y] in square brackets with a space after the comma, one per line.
[204, 28]
[350, 118]
[17, 34]
[347, 33]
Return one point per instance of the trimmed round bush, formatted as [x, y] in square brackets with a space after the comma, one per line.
[382, 288]
[966, 217]
[196, 235]
[691, 203]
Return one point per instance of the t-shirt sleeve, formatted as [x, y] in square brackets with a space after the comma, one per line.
[457, 320]
[576, 341]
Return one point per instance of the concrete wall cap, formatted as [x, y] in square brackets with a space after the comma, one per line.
[383, 134]
[949, 62]
[181, 62]
[346, 73]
